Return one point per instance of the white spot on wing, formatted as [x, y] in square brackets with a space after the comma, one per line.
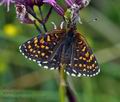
[84, 74]
[74, 71]
[19, 47]
[45, 62]
[98, 70]
[52, 68]
[34, 60]
[54, 43]
[54, 59]
[24, 45]
[20, 50]
[94, 74]
[68, 73]
[79, 75]
[26, 50]
[84, 69]
[73, 74]
[39, 64]
[23, 54]
[29, 58]
[28, 42]
[93, 69]
[46, 67]
[75, 59]
[88, 75]
[26, 57]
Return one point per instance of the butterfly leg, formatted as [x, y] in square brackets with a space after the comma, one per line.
[54, 25]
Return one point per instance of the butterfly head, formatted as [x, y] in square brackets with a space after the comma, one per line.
[72, 15]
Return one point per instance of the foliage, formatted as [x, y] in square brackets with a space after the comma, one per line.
[21, 79]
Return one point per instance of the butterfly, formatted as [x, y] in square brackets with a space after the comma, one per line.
[62, 45]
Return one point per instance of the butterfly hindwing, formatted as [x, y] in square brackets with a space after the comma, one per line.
[48, 49]
[44, 49]
[83, 61]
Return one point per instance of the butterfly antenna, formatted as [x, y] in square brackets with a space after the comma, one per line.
[54, 25]
[62, 25]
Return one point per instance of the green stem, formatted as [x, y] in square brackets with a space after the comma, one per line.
[62, 89]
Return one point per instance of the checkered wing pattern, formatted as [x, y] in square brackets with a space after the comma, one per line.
[83, 62]
[45, 49]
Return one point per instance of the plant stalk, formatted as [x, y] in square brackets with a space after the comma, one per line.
[62, 86]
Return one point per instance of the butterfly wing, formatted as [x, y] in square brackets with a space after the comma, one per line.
[83, 62]
[45, 49]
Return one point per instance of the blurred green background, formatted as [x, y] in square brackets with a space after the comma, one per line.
[24, 81]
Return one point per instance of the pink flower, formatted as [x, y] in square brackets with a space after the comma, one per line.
[57, 7]
[23, 15]
[7, 3]
[81, 3]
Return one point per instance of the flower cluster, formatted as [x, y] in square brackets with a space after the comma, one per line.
[24, 9]
[7, 3]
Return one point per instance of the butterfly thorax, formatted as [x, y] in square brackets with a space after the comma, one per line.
[69, 38]
[68, 44]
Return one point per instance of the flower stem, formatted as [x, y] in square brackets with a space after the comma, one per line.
[62, 86]
[37, 27]
[44, 26]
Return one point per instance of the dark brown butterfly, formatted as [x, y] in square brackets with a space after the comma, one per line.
[49, 49]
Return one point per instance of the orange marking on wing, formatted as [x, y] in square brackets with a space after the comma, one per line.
[38, 52]
[48, 38]
[87, 54]
[80, 65]
[29, 46]
[42, 40]
[91, 57]
[31, 50]
[80, 57]
[42, 46]
[84, 59]
[42, 54]
[46, 47]
[76, 65]
[34, 51]
[36, 56]
[84, 48]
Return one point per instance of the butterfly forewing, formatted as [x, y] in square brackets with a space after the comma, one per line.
[44, 49]
[49, 49]
[83, 62]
